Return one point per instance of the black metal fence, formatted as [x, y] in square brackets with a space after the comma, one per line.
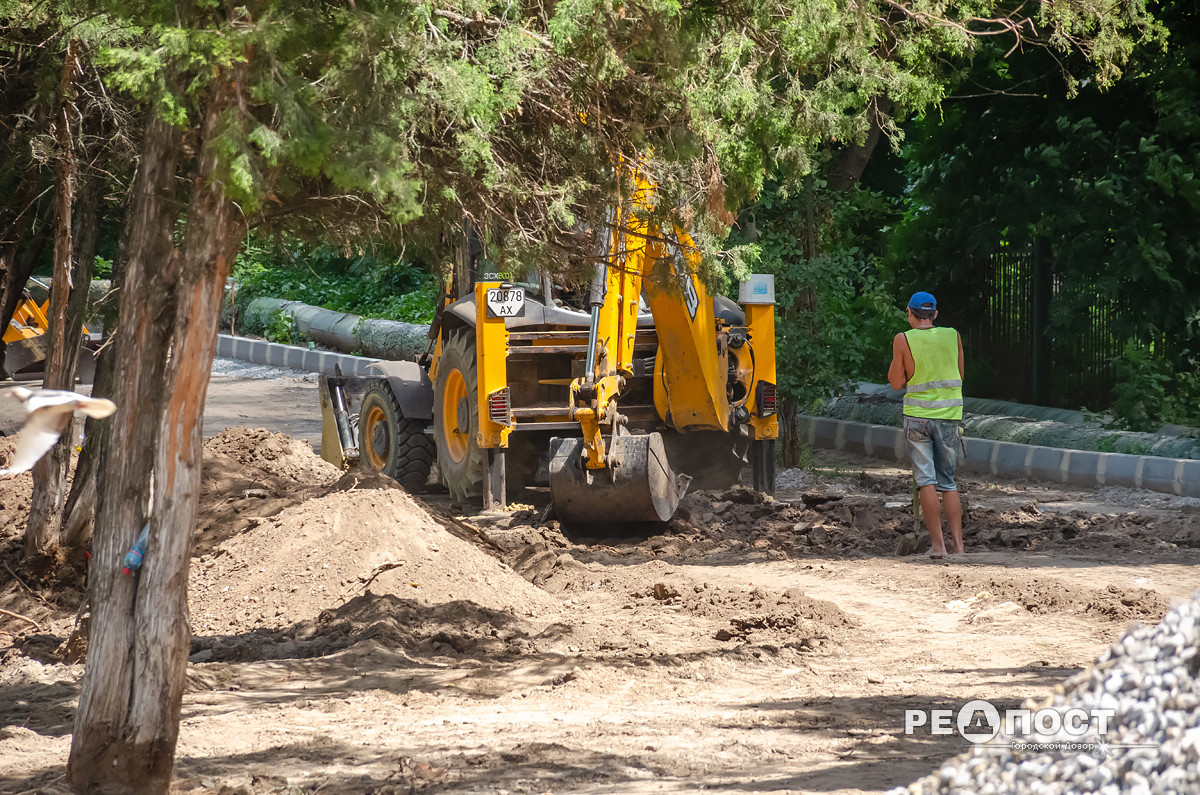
[1027, 336]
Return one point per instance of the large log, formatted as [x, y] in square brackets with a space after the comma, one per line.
[340, 331]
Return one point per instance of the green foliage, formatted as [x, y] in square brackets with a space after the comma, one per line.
[1150, 393]
[375, 284]
[282, 329]
[1110, 179]
[402, 117]
[396, 119]
[834, 319]
[1139, 390]
[1181, 404]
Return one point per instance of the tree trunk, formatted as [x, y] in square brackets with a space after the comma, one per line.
[70, 278]
[80, 509]
[852, 161]
[117, 746]
[789, 436]
[128, 719]
[16, 269]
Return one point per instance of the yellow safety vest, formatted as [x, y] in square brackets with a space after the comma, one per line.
[935, 389]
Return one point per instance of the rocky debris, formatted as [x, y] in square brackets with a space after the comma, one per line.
[1049, 595]
[1150, 679]
[663, 592]
[538, 562]
[715, 521]
[755, 613]
[452, 628]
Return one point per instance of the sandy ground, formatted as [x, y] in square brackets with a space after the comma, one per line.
[349, 637]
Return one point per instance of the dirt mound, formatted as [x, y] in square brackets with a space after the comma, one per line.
[16, 492]
[1047, 595]
[755, 613]
[458, 627]
[251, 474]
[662, 592]
[259, 452]
[329, 548]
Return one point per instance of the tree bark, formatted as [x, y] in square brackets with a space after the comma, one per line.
[86, 236]
[16, 269]
[115, 747]
[852, 161]
[66, 329]
[80, 509]
[128, 719]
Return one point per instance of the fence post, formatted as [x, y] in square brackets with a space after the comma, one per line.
[1043, 287]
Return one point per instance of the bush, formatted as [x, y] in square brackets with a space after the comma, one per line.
[282, 328]
[1149, 393]
[375, 284]
[834, 317]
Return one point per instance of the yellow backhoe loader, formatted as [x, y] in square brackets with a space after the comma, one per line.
[27, 339]
[619, 402]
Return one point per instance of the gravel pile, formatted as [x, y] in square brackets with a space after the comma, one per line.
[1150, 680]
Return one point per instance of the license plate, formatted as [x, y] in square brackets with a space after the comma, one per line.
[506, 302]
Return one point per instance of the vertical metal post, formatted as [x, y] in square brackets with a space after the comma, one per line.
[494, 479]
[762, 465]
[596, 294]
[1043, 287]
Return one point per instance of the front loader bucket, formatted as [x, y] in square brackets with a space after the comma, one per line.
[640, 486]
[25, 356]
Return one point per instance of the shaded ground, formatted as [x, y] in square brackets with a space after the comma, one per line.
[350, 638]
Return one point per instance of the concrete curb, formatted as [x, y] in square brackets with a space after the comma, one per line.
[291, 356]
[1171, 475]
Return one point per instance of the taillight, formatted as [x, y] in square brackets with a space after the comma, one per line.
[765, 398]
[498, 407]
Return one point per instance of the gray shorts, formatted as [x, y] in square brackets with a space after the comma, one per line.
[935, 447]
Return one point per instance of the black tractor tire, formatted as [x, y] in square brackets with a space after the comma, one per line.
[388, 442]
[461, 469]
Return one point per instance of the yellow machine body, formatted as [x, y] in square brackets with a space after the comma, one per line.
[619, 398]
[27, 342]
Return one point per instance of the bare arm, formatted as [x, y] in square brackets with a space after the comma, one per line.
[902, 366]
[962, 369]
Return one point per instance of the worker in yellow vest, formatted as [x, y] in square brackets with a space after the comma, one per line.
[929, 362]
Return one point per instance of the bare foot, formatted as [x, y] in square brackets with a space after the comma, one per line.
[937, 554]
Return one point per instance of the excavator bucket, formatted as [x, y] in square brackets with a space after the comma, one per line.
[638, 486]
[25, 355]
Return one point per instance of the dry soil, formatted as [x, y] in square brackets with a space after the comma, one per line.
[350, 637]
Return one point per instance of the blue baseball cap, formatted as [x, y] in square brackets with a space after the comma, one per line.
[922, 300]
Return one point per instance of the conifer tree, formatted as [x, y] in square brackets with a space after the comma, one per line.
[400, 118]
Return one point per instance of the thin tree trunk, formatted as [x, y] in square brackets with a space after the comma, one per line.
[788, 432]
[81, 502]
[128, 719]
[65, 333]
[16, 268]
[852, 161]
[86, 238]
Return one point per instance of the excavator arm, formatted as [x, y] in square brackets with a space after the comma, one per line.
[711, 373]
